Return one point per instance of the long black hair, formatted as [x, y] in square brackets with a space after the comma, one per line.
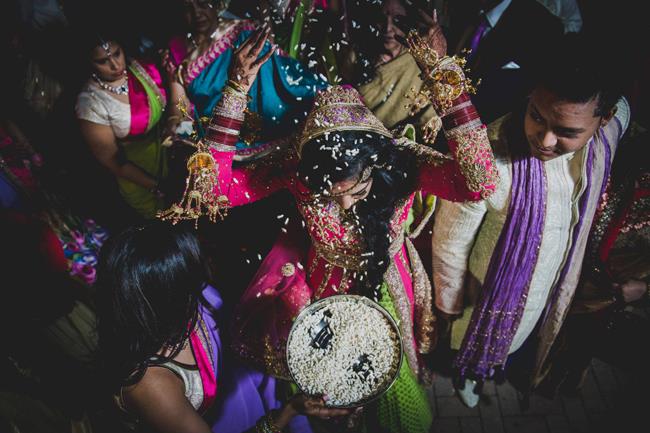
[345, 155]
[149, 284]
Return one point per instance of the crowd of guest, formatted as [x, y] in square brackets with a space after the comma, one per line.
[175, 190]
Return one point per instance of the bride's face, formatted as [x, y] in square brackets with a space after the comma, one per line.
[349, 192]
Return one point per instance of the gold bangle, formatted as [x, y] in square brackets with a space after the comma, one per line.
[238, 87]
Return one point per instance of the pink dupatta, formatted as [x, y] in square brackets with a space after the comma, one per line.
[147, 97]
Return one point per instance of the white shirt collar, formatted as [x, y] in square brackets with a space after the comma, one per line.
[494, 15]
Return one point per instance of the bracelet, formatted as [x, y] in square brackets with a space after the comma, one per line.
[238, 87]
[267, 425]
[232, 104]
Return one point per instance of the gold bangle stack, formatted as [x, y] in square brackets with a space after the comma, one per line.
[443, 76]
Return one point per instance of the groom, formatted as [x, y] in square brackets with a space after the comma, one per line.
[506, 268]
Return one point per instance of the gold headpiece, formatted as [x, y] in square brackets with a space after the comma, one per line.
[339, 108]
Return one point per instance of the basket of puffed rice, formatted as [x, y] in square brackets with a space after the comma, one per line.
[346, 347]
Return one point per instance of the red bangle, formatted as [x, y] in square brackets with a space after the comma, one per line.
[222, 138]
[216, 130]
[226, 122]
[462, 115]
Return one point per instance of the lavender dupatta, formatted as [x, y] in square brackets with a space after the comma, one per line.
[500, 307]
[244, 395]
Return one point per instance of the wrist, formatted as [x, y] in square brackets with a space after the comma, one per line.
[239, 87]
[461, 113]
[270, 423]
[232, 104]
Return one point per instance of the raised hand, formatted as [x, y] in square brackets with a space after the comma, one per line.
[246, 62]
[428, 28]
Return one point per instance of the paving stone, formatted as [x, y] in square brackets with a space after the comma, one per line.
[575, 412]
[471, 425]
[508, 400]
[489, 388]
[591, 397]
[607, 384]
[452, 406]
[558, 424]
[491, 415]
[543, 406]
[446, 425]
[443, 386]
[622, 376]
[598, 421]
[527, 424]
[432, 400]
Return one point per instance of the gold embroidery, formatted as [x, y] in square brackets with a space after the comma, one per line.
[232, 104]
[476, 161]
[422, 293]
[288, 269]
[426, 154]
[403, 309]
[274, 359]
[326, 278]
[333, 256]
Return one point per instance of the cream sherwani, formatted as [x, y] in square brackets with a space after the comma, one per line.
[465, 234]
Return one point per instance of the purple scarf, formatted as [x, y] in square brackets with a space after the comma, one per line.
[496, 318]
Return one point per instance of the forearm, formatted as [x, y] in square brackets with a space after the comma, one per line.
[473, 173]
[131, 172]
[177, 99]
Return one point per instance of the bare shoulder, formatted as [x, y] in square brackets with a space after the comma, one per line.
[158, 400]
[157, 383]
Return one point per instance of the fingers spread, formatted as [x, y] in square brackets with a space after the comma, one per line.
[265, 57]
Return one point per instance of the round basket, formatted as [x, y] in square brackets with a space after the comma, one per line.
[316, 335]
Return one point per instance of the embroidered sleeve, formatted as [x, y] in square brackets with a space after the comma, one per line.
[249, 183]
[472, 174]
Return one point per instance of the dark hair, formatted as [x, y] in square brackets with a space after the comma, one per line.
[577, 73]
[344, 155]
[149, 282]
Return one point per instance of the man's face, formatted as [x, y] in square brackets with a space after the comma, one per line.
[555, 127]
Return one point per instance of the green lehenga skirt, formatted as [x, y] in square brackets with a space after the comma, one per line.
[148, 154]
[405, 407]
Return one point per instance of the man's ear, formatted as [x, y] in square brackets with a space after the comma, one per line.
[605, 119]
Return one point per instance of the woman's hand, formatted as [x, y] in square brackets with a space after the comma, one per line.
[433, 32]
[300, 404]
[428, 28]
[315, 406]
[245, 62]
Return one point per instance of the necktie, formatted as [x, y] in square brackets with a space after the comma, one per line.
[478, 34]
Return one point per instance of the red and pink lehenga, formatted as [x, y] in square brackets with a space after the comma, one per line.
[296, 273]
